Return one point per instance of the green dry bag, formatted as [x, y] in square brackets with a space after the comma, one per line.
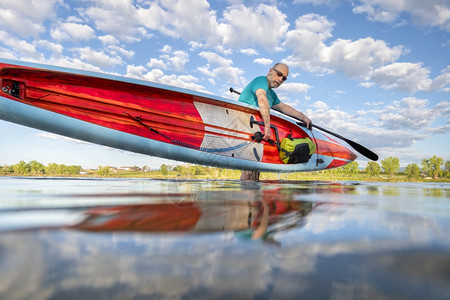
[294, 151]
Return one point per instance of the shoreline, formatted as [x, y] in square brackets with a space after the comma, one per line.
[304, 176]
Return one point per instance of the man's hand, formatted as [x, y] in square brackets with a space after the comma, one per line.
[307, 121]
[267, 132]
[264, 109]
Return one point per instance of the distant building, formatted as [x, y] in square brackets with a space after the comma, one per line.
[136, 169]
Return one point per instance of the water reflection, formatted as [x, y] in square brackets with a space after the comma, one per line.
[252, 211]
[257, 218]
[223, 239]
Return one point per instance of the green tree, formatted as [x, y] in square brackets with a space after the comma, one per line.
[412, 171]
[36, 167]
[21, 168]
[9, 169]
[164, 169]
[73, 170]
[351, 168]
[199, 170]
[103, 171]
[62, 169]
[372, 169]
[51, 169]
[335, 172]
[432, 166]
[390, 165]
[447, 168]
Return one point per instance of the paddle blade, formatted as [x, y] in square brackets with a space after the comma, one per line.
[363, 150]
[359, 148]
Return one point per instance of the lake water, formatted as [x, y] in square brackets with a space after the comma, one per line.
[195, 239]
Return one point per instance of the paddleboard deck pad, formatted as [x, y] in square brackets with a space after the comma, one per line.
[153, 119]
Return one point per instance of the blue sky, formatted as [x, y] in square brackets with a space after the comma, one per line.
[374, 71]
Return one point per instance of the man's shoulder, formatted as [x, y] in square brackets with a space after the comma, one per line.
[260, 79]
[260, 82]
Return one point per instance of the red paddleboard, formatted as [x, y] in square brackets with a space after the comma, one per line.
[154, 119]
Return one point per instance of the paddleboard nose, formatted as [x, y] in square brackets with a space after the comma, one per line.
[340, 155]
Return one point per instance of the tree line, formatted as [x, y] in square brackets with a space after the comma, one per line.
[38, 169]
[433, 167]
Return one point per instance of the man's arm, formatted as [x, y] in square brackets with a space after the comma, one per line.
[288, 110]
[264, 109]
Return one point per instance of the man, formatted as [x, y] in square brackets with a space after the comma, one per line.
[259, 92]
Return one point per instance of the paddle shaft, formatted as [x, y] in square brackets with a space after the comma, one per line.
[360, 148]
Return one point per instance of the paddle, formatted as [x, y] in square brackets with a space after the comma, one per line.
[359, 148]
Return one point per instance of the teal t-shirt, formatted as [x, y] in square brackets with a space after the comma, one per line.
[248, 95]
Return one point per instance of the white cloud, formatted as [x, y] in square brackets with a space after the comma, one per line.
[366, 84]
[193, 20]
[136, 71]
[354, 58]
[357, 58]
[12, 22]
[231, 75]
[263, 61]
[399, 124]
[246, 26]
[366, 59]
[307, 43]
[177, 59]
[108, 40]
[249, 51]
[25, 18]
[339, 92]
[295, 87]
[156, 63]
[157, 75]
[378, 13]
[411, 114]
[374, 103]
[206, 70]
[442, 81]
[56, 49]
[195, 45]
[116, 18]
[444, 109]
[69, 62]
[439, 130]
[21, 47]
[189, 20]
[166, 49]
[318, 2]
[224, 70]
[72, 31]
[7, 53]
[214, 58]
[428, 13]
[98, 58]
[170, 59]
[321, 106]
[120, 51]
[407, 77]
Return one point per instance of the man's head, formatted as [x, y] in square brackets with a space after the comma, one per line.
[277, 75]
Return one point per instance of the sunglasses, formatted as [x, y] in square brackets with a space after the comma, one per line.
[279, 74]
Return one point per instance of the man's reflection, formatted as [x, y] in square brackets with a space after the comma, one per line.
[263, 212]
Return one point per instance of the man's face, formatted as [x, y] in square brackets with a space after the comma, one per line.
[277, 76]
